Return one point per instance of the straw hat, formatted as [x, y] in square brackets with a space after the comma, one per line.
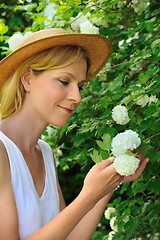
[98, 47]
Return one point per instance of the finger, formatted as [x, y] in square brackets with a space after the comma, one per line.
[111, 169]
[105, 163]
[140, 156]
[141, 167]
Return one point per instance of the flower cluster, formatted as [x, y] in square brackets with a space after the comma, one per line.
[52, 18]
[113, 225]
[153, 99]
[88, 27]
[140, 6]
[103, 73]
[120, 114]
[126, 165]
[109, 211]
[125, 141]
[143, 99]
[49, 13]
[111, 215]
[83, 24]
[16, 39]
[99, 21]
[110, 235]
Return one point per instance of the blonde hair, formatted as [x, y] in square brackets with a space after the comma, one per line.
[12, 93]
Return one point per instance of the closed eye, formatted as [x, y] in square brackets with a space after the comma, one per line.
[65, 83]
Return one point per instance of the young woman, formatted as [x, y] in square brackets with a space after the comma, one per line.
[40, 84]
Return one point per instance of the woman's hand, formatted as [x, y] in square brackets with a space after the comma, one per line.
[101, 180]
[138, 172]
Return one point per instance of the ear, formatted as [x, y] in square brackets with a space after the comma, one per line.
[25, 79]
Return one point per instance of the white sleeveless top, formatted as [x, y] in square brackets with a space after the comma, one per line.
[33, 211]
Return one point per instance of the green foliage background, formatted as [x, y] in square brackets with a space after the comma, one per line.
[133, 66]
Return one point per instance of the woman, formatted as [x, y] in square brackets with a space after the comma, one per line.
[41, 83]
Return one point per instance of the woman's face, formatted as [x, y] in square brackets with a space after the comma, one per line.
[55, 94]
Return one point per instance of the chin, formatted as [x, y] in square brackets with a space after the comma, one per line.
[59, 124]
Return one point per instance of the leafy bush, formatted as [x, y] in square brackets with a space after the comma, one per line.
[130, 78]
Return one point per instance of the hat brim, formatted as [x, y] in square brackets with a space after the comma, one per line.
[98, 48]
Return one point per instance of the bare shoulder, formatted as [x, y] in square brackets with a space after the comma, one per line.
[4, 164]
[8, 210]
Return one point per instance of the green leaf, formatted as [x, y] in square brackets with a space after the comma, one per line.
[101, 144]
[107, 141]
[71, 127]
[96, 157]
[154, 185]
[139, 188]
[152, 71]
[130, 154]
[143, 147]
[143, 78]
[3, 28]
[116, 83]
[149, 26]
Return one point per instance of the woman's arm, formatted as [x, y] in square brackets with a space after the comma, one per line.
[86, 227]
[100, 180]
[8, 213]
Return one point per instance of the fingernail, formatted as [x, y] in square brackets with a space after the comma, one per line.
[111, 158]
[147, 159]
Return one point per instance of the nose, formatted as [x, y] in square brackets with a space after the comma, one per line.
[74, 94]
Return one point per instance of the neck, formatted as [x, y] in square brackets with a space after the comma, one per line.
[23, 129]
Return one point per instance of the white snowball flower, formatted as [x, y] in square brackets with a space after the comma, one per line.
[140, 5]
[124, 141]
[27, 34]
[142, 100]
[49, 13]
[15, 40]
[87, 27]
[126, 165]
[120, 114]
[107, 67]
[109, 211]
[153, 99]
[110, 235]
[103, 73]
[112, 224]
[99, 21]
[76, 21]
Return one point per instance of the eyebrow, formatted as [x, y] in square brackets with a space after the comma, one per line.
[71, 75]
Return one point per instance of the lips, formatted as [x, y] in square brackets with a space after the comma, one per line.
[68, 110]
